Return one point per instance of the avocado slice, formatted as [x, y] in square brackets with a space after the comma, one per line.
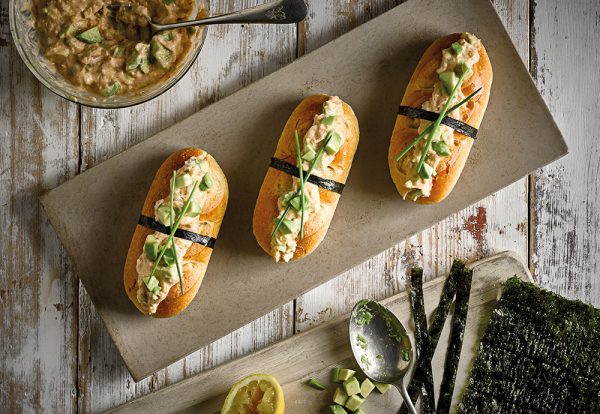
[151, 247]
[427, 171]
[193, 210]
[448, 79]
[351, 386]
[334, 374]
[91, 36]
[166, 272]
[202, 164]
[328, 120]
[366, 388]
[345, 374]
[163, 212]
[457, 48]
[313, 383]
[162, 55]
[381, 387]
[354, 402]
[112, 91]
[461, 68]
[183, 180]
[335, 141]
[441, 148]
[309, 154]
[288, 226]
[295, 202]
[139, 58]
[206, 182]
[340, 397]
[169, 256]
[151, 283]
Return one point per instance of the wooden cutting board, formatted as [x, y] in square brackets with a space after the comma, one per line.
[96, 212]
[314, 353]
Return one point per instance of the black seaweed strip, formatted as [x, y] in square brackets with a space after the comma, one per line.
[152, 224]
[291, 169]
[455, 124]
[437, 325]
[459, 321]
[422, 339]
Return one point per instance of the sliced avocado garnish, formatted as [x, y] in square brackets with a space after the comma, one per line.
[151, 247]
[183, 180]
[166, 272]
[288, 226]
[206, 182]
[139, 58]
[162, 55]
[345, 374]
[328, 120]
[461, 68]
[163, 212]
[340, 397]
[354, 402]
[366, 387]
[448, 79]
[334, 143]
[427, 171]
[151, 283]
[457, 48]
[169, 257]
[296, 202]
[441, 148]
[351, 386]
[112, 91]
[91, 36]
[309, 154]
[381, 387]
[313, 383]
[194, 210]
[337, 409]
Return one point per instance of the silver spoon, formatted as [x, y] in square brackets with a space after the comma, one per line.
[381, 346]
[279, 12]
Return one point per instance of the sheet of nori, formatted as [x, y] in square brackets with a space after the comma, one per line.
[422, 339]
[459, 322]
[539, 354]
[437, 325]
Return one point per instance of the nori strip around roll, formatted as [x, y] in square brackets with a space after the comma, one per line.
[437, 325]
[422, 339]
[539, 354]
[459, 321]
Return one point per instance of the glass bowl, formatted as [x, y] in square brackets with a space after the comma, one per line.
[25, 37]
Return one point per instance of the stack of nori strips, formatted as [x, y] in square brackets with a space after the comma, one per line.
[540, 354]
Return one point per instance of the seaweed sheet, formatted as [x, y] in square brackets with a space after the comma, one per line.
[539, 354]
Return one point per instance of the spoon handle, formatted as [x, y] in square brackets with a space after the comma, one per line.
[402, 388]
[279, 12]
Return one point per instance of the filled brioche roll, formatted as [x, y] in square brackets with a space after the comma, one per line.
[173, 241]
[292, 216]
[428, 150]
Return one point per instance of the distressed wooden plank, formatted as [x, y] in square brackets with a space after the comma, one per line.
[566, 208]
[485, 228]
[38, 308]
[233, 56]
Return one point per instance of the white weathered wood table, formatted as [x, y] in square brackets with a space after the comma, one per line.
[55, 355]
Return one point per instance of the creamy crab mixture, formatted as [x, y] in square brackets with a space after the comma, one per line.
[466, 51]
[154, 289]
[331, 120]
[106, 47]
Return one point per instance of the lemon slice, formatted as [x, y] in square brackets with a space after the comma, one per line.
[255, 394]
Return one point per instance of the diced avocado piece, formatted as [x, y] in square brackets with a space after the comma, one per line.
[206, 182]
[165, 272]
[151, 282]
[354, 402]
[427, 171]
[156, 290]
[337, 409]
[441, 148]
[461, 68]
[352, 386]
[415, 194]
[295, 202]
[340, 396]
[163, 212]
[345, 374]
[335, 141]
[328, 120]
[161, 54]
[151, 247]
[448, 79]
[309, 154]
[313, 383]
[144, 64]
[335, 374]
[366, 387]
[169, 256]
[202, 164]
[113, 90]
[166, 36]
[91, 36]
[183, 180]
[193, 210]
[139, 58]
[457, 48]
[288, 226]
[381, 387]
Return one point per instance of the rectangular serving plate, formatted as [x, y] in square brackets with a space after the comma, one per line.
[95, 213]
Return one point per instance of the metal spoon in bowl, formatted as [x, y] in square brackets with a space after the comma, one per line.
[381, 346]
[279, 12]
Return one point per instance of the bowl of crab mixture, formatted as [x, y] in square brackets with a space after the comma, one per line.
[101, 53]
